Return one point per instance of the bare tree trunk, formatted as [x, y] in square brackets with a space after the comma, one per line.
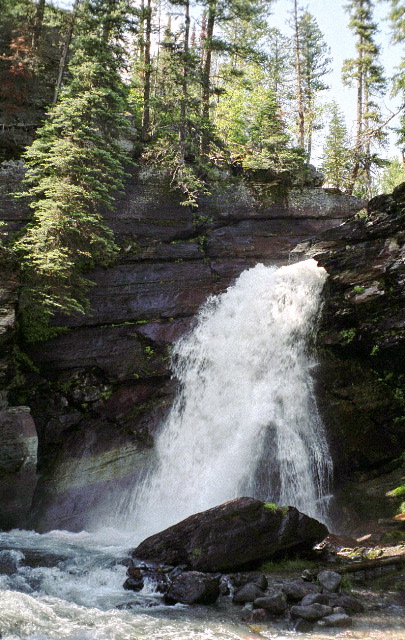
[184, 99]
[300, 97]
[147, 73]
[38, 21]
[206, 73]
[359, 119]
[65, 51]
[367, 143]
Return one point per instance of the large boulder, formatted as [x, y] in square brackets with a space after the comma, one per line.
[239, 533]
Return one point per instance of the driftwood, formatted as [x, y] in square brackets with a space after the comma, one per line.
[370, 564]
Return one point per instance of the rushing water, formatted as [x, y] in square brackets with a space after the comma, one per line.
[78, 595]
[245, 420]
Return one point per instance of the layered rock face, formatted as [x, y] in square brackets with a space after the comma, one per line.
[363, 338]
[104, 386]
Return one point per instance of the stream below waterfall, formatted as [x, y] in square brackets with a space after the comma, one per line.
[66, 586]
[245, 422]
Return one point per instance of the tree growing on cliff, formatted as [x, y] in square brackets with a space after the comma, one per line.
[366, 73]
[74, 166]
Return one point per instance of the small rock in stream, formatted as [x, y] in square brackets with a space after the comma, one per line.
[193, 587]
[256, 615]
[311, 598]
[303, 625]
[329, 580]
[248, 593]
[349, 604]
[336, 620]
[274, 604]
[295, 591]
[311, 611]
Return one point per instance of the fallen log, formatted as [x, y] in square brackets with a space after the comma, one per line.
[370, 564]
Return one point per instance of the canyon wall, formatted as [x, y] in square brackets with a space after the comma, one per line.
[99, 391]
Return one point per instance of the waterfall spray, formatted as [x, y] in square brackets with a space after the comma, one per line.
[245, 420]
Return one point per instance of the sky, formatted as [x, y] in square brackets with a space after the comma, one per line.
[333, 22]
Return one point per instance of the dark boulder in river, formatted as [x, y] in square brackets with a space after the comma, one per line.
[239, 533]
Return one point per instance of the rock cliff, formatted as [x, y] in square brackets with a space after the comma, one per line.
[99, 391]
[361, 379]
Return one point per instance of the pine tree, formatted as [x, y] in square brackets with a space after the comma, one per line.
[336, 160]
[74, 166]
[314, 66]
[397, 20]
[220, 12]
[311, 62]
[367, 74]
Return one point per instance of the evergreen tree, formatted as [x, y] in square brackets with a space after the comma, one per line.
[314, 65]
[397, 20]
[74, 166]
[336, 160]
[298, 78]
[391, 176]
[220, 12]
[312, 61]
[367, 74]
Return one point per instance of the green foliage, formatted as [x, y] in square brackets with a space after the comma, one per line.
[391, 176]
[337, 154]
[287, 565]
[348, 335]
[34, 322]
[346, 584]
[399, 492]
[366, 73]
[397, 21]
[314, 64]
[270, 506]
[73, 167]
[149, 352]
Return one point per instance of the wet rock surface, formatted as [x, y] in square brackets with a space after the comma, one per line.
[193, 587]
[18, 460]
[279, 609]
[361, 375]
[238, 533]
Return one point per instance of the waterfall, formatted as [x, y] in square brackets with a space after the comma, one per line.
[245, 420]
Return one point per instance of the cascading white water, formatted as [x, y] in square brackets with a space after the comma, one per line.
[245, 420]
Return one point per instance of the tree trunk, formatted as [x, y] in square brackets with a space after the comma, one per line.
[206, 73]
[147, 73]
[300, 98]
[65, 51]
[184, 99]
[359, 118]
[39, 18]
[370, 564]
